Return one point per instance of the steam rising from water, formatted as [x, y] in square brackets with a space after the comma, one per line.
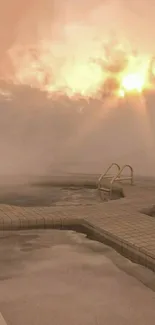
[39, 134]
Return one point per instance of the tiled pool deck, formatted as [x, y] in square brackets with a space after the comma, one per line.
[118, 223]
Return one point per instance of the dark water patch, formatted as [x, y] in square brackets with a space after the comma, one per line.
[50, 196]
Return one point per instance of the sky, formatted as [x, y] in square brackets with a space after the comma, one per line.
[38, 133]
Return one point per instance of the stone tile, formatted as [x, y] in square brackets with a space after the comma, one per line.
[119, 218]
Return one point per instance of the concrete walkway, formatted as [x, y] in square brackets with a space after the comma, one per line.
[118, 223]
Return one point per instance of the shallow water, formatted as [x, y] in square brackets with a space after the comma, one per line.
[63, 278]
[24, 196]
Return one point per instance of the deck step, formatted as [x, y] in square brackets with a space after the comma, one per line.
[103, 189]
[108, 193]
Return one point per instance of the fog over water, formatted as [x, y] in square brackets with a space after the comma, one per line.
[41, 135]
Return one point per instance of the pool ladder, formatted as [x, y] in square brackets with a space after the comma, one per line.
[118, 177]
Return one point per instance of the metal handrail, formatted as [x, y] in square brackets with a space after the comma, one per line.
[119, 179]
[105, 174]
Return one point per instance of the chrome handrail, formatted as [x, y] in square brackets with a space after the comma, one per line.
[105, 174]
[119, 179]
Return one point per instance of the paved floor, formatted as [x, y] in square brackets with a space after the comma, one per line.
[54, 277]
[26, 207]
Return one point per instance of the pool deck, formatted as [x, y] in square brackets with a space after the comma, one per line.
[119, 223]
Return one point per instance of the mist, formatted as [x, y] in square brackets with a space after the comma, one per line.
[41, 134]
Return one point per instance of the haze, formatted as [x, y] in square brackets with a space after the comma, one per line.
[40, 135]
